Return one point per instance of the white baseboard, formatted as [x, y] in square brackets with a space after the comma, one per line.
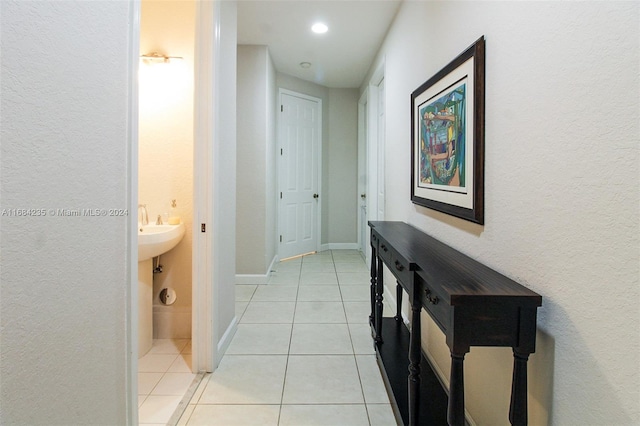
[339, 246]
[226, 338]
[275, 260]
[390, 296]
[257, 278]
[252, 279]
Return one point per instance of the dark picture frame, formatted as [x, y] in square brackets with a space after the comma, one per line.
[447, 138]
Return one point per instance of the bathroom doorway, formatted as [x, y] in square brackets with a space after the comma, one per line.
[175, 162]
[165, 188]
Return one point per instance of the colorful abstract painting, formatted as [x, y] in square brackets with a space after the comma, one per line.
[447, 138]
[442, 140]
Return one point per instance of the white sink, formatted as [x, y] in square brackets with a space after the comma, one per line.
[154, 240]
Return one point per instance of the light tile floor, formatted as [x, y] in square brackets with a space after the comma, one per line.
[302, 354]
[164, 376]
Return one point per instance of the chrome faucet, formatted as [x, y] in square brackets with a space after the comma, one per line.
[143, 214]
[159, 220]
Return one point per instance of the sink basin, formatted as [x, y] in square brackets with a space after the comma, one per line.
[154, 240]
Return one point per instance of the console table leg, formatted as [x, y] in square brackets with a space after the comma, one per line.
[373, 288]
[415, 349]
[378, 307]
[398, 316]
[455, 413]
[518, 409]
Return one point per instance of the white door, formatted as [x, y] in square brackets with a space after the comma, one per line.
[299, 173]
[380, 111]
[363, 228]
[371, 133]
[371, 158]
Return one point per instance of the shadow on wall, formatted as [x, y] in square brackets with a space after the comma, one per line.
[541, 366]
[463, 225]
[584, 381]
[488, 375]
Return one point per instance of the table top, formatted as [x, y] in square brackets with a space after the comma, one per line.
[458, 276]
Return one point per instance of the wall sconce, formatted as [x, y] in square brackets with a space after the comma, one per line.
[163, 82]
[157, 58]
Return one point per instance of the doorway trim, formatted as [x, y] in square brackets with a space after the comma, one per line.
[131, 320]
[206, 134]
[279, 166]
[206, 75]
[371, 150]
[363, 175]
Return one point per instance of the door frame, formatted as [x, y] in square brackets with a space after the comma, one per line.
[279, 166]
[363, 175]
[206, 74]
[371, 150]
[131, 320]
[204, 330]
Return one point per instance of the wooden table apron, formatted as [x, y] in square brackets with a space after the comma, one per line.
[471, 303]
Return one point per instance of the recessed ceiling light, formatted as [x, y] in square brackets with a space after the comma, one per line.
[305, 64]
[319, 28]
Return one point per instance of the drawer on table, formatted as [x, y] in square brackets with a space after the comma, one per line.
[400, 268]
[384, 250]
[374, 240]
[438, 307]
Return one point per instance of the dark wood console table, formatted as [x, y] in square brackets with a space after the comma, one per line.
[472, 304]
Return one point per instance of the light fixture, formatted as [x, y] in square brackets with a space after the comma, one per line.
[157, 58]
[319, 28]
[305, 65]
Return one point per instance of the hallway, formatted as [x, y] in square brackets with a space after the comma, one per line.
[303, 353]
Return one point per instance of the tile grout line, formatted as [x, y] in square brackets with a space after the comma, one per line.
[355, 359]
[290, 341]
[286, 367]
[163, 375]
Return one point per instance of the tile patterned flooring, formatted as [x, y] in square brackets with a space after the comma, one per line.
[164, 376]
[302, 354]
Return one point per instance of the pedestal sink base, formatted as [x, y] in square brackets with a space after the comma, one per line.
[145, 306]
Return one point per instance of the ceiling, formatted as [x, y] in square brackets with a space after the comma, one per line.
[340, 58]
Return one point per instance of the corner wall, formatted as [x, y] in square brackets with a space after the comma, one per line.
[65, 281]
[561, 192]
[256, 182]
[342, 164]
[224, 183]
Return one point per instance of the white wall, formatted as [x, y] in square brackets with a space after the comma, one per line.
[255, 172]
[271, 180]
[224, 184]
[65, 280]
[342, 194]
[166, 149]
[561, 191]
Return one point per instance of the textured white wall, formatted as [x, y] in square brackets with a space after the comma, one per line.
[561, 191]
[166, 148]
[65, 280]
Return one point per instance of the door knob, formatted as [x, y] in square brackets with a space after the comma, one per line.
[316, 196]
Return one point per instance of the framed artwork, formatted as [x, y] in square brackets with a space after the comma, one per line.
[447, 138]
